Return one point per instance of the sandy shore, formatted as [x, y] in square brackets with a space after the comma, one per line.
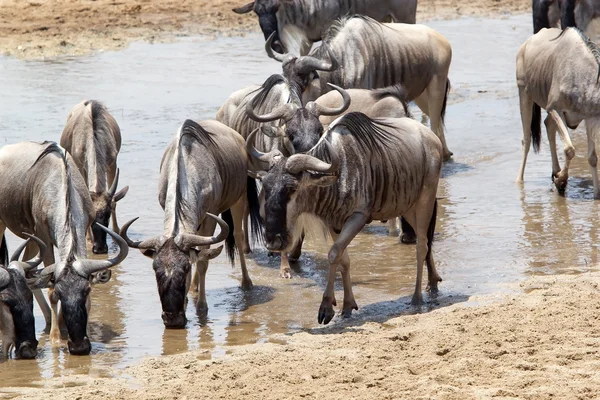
[538, 345]
[32, 29]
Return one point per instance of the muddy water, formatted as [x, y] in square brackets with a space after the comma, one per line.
[491, 232]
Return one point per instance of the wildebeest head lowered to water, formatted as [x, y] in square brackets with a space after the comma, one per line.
[16, 300]
[54, 203]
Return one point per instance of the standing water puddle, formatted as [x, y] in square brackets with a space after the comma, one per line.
[490, 230]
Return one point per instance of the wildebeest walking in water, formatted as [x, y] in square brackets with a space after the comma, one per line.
[17, 324]
[93, 138]
[559, 71]
[296, 25]
[361, 170]
[43, 183]
[203, 173]
[359, 52]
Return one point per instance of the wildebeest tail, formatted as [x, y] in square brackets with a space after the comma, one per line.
[536, 127]
[448, 86]
[256, 222]
[230, 247]
[4, 252]
[431, 229]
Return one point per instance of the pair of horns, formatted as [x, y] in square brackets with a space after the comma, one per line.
[25, 266]
[305, 64]
[184, 241]
[298, 162]
[286, 111]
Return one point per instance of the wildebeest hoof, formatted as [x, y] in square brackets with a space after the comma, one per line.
[326, 313]
[272, 254]
[348, 307]
[286, 273]
[247, 284]
[408, 238]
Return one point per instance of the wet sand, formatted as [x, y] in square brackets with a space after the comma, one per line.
[539, 345]
[31, 29]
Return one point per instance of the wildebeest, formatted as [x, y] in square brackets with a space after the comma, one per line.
[360, 170]
[564, 13]
[203, 172]
[41, 181]
[17, 324]
[560, 73]
[298, 24]
[372, 55]
[93, 138]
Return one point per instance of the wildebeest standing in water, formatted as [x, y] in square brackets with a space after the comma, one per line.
[559, 71]
[297, 24]
[361, 170]
[93, 138]
[203, 172]
[17, 324]
[41, 181]
[371, 55]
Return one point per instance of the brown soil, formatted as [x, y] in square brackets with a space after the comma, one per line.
[539, 345]
[47, 28]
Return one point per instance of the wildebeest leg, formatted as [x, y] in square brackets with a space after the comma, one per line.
[284, 268]
[561, 179]
[435, 95]
[55, 338]
[296, 250]
[349, 301]
[30, 251]
[392, 226]
[591, 126]
[111, 171]
[246, 229]
[551, 130]
[526, 104]
[237, 213]
[352, 227]
[206, 229]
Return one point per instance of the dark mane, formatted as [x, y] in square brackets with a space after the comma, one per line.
[53, 147]
[369, 134]
[262, 93]
[594, 49]
[207, 139]
[101, 128]
[336, 27]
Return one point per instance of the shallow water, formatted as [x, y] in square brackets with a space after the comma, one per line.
[491, 232]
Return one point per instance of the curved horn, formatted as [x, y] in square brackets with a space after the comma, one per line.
[187, 241]
[282, 58]
[4, 278]
[307, 64]
[28, 265]
[87, 267]
[264, 157]
[113, 187]
[284, 111]
[151, 243]
[304, 162]
[322, 110]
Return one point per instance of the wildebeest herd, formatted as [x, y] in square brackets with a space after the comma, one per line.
[327, 146]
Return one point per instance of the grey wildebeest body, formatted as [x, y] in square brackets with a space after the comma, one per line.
[93, 138]
[361, 53]
[559, 73]
[41, 181]
[361, 170]
[298, 24]
[203, 172]
[17, 324]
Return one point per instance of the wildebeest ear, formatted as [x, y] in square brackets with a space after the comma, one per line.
[244, 9]
[120, 194]
[209, 254]
[102, 276]
[322, 180]
[148, 252]
[41, 281]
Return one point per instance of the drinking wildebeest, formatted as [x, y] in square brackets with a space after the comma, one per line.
[361, 170]
[54, 204]
[17, 324]
[296, 25]
[414, 56]
[203, 172]
[559, 72]
[93, 138]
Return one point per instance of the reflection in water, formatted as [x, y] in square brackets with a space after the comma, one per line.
[490, 231]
